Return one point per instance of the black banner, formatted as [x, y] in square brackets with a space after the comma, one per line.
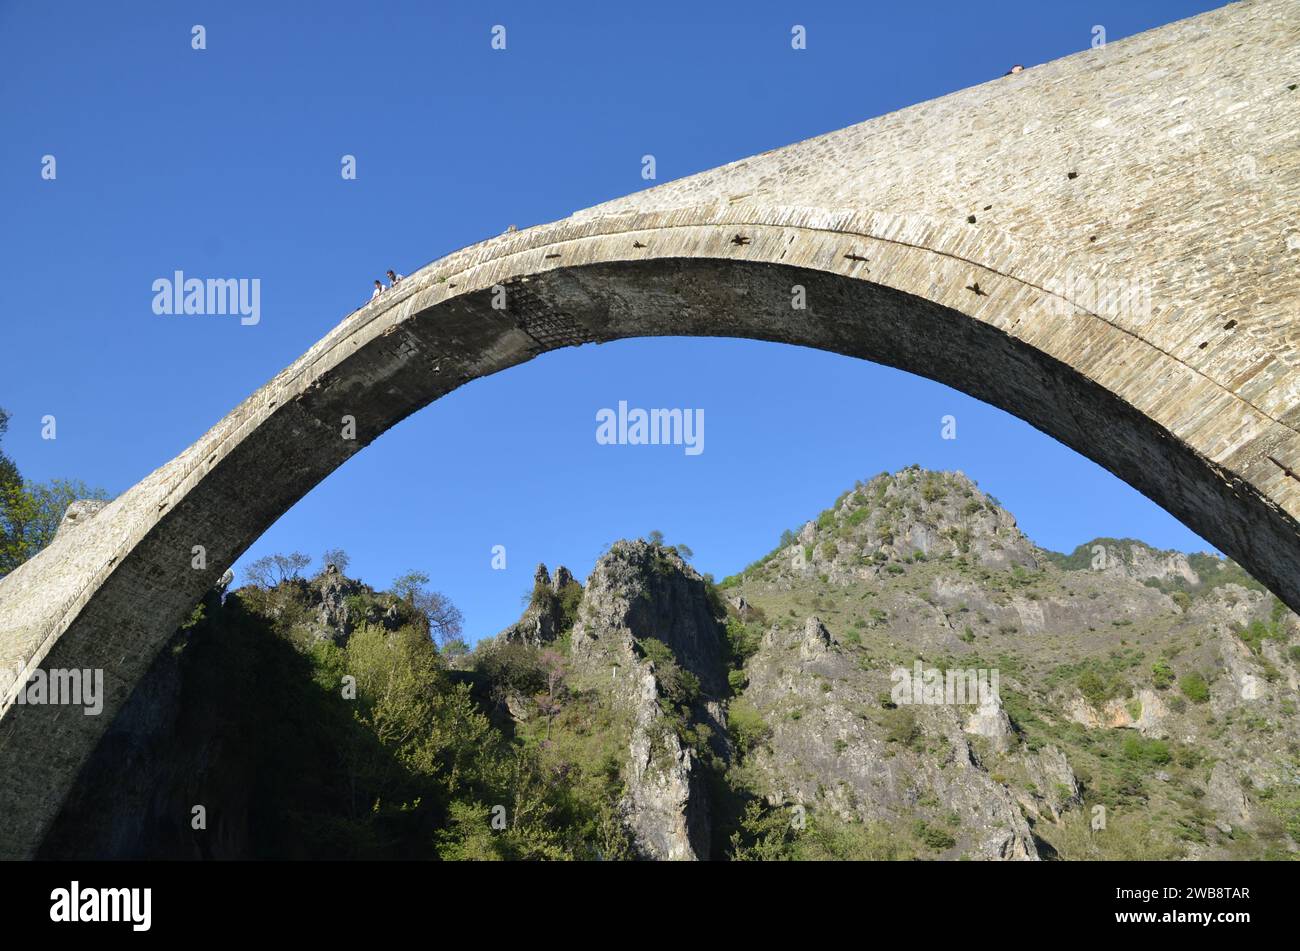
[220, 900]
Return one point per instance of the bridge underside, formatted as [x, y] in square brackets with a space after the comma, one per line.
[1194, 399]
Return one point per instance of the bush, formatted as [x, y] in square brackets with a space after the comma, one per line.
[901, 727]
[1162, 675]
[1141, 750]
[746, 725]
[1256, 632]
[1093, 688]
[1195, 688]
[514, 666]
[677, 685]
[932, 836]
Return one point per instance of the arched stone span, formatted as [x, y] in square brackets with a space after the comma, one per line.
[1167, 162]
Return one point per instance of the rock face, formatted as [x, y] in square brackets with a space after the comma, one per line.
[334, 620]
[543, 619]
[1186, 662]
[832, 746]
[1144, 712]
[1140, 562]
[637, 592]
[666, 805]
[1167, 703]
[1055, 787]
[991, 721]
[1225, 796]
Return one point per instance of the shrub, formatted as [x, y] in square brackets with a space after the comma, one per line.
[515, 666]
[901, 727]
[1256, 632]
[677, 685]
[1092, 687]
[1162, 675]
[1195, 688]
[1141, 750]
[933, 837]
[746, 725]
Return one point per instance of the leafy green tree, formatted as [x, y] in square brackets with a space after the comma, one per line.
[11, 484]
[8, 469]
[442, 616]
[30, 514]
[271, 571]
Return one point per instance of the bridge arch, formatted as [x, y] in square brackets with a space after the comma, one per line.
[996, 297]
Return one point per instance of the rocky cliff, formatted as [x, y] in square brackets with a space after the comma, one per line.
[647, 638]
[1139, 689]
[905, 676]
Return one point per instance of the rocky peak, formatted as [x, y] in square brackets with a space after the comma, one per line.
[910, 515]
[646, 615]
[1130, 558]
[334, 618]
[545, 618]
[640, 591]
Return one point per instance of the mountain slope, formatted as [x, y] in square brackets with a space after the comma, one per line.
[906, 677]
[1131, 681]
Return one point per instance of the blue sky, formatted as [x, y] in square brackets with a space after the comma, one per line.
[225, 162]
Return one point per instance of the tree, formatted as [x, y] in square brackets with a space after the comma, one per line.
[549, 704]
[8, 469]
[336, 557]
[11, 496]
[443, 617]
[30, 512]
[655, 538]
[271, 571]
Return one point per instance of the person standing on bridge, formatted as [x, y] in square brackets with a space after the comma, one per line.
[379, 289]
[393, 279]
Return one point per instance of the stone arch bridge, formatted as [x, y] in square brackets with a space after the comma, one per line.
[1107, 246]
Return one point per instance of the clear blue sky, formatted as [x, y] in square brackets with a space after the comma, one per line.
[225, 163]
